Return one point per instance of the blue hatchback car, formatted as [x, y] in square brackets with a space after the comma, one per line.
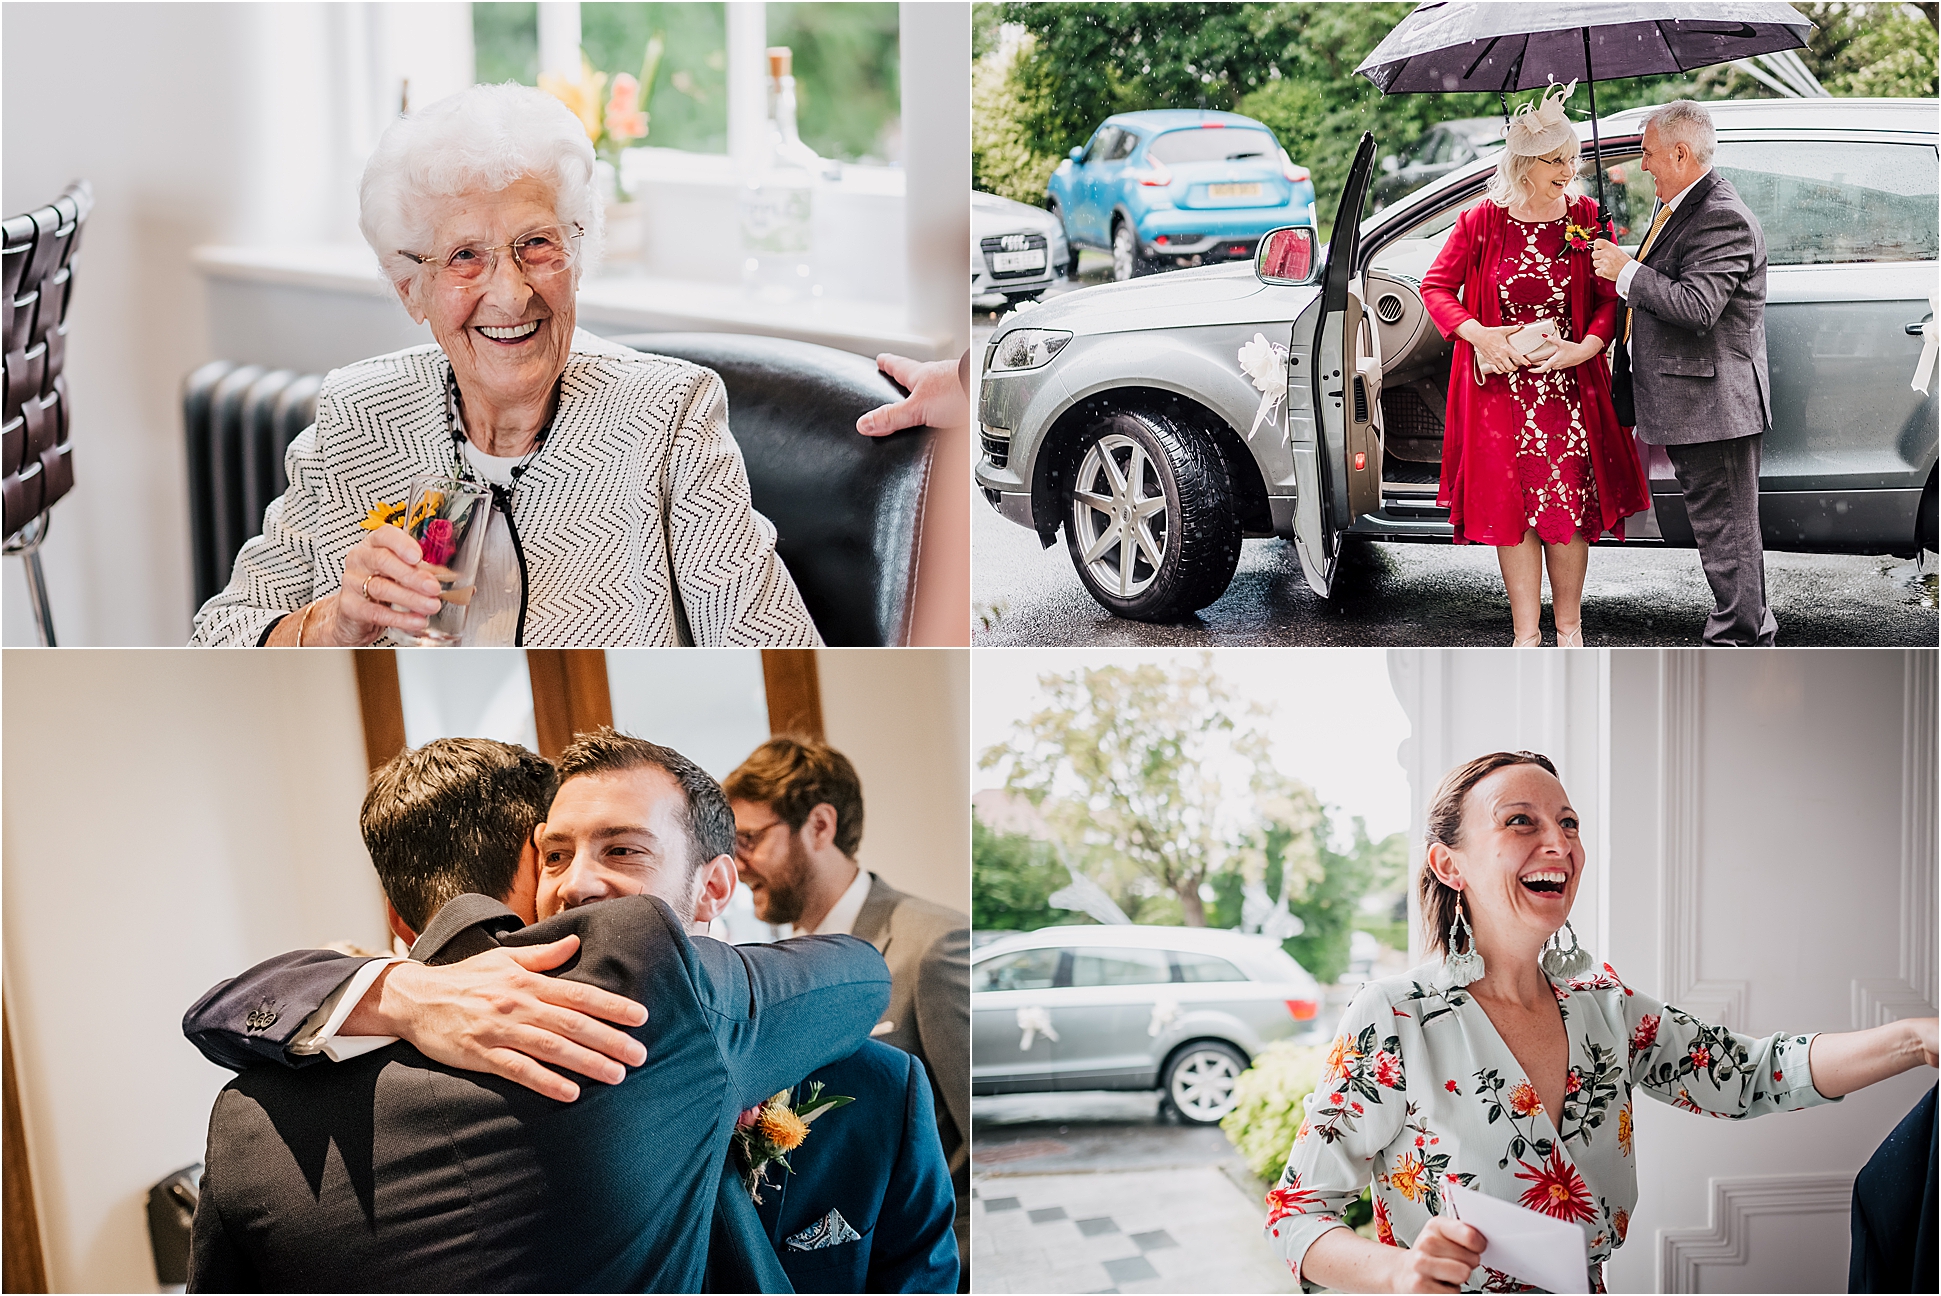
[1177, 187]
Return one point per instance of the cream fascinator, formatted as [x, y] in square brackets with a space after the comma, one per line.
[1541, 128]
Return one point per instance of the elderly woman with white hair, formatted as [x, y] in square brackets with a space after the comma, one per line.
[620, 505]
[1533, 459]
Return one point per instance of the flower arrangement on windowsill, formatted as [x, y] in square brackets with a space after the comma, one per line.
[614, 121]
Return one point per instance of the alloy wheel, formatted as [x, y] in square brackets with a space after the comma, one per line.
[1125, 252]
[1202, 1085]
[1119, 515]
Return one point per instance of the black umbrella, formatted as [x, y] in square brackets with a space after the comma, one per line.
[1446, 46]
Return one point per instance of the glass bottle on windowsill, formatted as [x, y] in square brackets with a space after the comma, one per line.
[778, 201]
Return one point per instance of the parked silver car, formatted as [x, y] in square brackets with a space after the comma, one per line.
[1121, 412]
[1017, 251]
[1179, 1009]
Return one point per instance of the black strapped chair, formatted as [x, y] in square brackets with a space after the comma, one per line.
[36, 469]
[848, 509]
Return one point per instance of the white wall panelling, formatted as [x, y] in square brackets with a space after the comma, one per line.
[1682, 742]
[1684, 1255]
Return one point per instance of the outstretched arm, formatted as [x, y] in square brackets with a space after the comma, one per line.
[783, 1010]
[493, 1012]
[1855, 1059]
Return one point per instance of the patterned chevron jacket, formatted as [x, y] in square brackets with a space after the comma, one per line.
[636, 436]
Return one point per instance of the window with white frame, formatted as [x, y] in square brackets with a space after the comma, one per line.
[845, 66]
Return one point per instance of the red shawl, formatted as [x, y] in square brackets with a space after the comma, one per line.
[1479, 483]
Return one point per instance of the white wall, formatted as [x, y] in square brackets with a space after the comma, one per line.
[1762, 853]
[903, 717]
[1774, 869]
[169, 819]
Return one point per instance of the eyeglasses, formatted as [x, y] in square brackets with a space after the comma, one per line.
[746, 842]
[540, 254]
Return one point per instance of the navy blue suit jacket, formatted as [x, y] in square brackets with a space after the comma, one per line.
[878, 1164]
[394, 1172]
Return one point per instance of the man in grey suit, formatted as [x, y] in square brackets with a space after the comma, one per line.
[798, 807]
[1690, 364]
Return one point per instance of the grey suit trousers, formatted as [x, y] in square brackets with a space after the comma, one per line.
[1721, 484]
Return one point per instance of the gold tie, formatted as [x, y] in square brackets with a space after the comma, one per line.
[1643, 248]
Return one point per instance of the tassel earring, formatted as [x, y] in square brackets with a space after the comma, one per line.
[1460, 969]
[1563, 964]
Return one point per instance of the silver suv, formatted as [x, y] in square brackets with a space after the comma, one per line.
[1179, 1009]
[1121, 412]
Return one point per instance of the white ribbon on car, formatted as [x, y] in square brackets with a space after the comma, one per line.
[1034, 1022]
[1164, 1013]
[1265, 364]
[1924, 367]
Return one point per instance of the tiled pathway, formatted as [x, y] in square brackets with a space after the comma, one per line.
[1178, 1230]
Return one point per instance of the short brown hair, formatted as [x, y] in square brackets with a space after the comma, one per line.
[709, 822]
[1445, 828]
[792, 776]
[452, 817]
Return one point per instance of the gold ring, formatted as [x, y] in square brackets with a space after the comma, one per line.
[365, 588]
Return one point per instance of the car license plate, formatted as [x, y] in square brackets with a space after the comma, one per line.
[1012, 262]
[1233, 191]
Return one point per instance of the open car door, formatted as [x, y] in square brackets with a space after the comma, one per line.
[1331, 357]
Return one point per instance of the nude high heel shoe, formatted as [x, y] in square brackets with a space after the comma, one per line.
[1571, 638]
[1534, 641]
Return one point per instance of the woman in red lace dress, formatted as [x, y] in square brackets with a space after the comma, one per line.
[1533, 459]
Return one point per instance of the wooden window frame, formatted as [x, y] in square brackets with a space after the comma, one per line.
[570, 696]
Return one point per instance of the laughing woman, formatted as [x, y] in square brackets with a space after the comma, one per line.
[621, 511]
[1508, 1067]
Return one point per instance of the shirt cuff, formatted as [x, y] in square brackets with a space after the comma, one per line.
[1625, 276]
[319, 1032]
[1793, 1085]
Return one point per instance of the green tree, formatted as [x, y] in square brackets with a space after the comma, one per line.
[848, 97]
[1324, 886]
[1120, 763]
[1012, 878]
[1003, 158]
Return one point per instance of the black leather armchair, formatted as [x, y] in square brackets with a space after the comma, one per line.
[848, 509]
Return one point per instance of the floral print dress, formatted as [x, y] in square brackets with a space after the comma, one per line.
[1420, 1091]
[1553, 465]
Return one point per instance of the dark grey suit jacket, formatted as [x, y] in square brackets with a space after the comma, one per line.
[1697, 355]
[927, 947]
[392, 1172]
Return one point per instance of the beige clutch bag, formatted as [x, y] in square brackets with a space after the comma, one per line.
[1533, 341]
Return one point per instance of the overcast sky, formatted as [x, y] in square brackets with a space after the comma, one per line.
[1336, 722]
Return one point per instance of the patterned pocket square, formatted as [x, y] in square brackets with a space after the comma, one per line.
[831, 1230]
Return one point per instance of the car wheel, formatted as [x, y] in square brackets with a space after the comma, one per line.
[1150, 523]
[1126, 261]
[1925, 521]
[1071, 244]
[1200, 1079]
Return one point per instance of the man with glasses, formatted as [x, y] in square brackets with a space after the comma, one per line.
[798, 808]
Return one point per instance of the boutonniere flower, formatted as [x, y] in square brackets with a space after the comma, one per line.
[767, 1133]
[1578, 238]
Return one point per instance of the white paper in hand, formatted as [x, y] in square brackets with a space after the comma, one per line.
[1549, 1253]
